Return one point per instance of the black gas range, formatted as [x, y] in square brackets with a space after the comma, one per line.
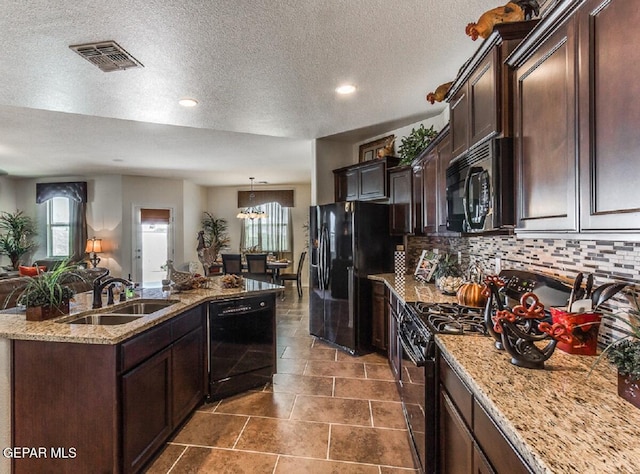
[423, 320]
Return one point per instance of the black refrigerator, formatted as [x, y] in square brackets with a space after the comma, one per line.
[348, 241]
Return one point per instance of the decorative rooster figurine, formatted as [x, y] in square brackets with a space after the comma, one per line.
[387, 150]
[516, 10]
[439, 93]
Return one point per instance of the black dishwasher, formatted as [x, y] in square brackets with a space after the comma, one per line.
[242, 348]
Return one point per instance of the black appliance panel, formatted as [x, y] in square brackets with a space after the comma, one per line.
[480, 190]
[550, 290]
[242, 352]
[348, 241]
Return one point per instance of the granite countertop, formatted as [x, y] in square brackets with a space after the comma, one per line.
[559, 420]
[13, 323]
[411, 290]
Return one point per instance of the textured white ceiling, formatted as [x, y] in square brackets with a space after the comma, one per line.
[263, 72]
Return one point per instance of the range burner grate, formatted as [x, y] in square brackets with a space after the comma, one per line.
[446, 318]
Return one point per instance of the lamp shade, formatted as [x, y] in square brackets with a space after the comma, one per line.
[94, 245]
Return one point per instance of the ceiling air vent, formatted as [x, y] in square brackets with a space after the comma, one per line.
[107, 55]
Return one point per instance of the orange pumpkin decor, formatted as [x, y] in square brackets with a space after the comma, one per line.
[470, 294]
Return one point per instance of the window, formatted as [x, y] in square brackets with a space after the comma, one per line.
[272, 234]
[58, 227]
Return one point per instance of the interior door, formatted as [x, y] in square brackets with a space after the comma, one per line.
[154, 243]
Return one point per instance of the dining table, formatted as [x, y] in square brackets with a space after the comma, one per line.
[274, 265]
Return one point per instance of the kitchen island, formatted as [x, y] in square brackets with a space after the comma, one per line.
[555, 420]
[87, 381]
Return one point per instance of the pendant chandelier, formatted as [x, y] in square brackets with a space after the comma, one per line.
[251, 212]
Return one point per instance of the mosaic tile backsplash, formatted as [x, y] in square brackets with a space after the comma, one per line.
[607, 260]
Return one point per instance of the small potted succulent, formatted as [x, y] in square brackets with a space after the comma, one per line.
[624, 353]
[45, 296]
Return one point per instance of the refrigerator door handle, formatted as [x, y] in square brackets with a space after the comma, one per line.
[321, 258]
[351, 297]
[325, 262]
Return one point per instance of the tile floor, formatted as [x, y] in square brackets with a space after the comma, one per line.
[326, 412]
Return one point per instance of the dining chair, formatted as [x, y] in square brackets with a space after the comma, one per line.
[297, 276]
[231, 263]
[257, 267]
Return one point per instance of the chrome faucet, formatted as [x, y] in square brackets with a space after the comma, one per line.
[99, 285]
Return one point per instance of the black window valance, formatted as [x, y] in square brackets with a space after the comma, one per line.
[76, 191]
[284, 197]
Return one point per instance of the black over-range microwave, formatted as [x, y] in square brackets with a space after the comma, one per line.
[480, 192]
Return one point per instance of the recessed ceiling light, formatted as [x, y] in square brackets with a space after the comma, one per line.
[188, 102]
[346, 89]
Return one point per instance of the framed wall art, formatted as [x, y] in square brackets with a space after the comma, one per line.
[426, 266]
[369, 151]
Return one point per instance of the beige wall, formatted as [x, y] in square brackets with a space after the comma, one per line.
[329, 155]
[111, 200]
[222, 202]
[7, 203]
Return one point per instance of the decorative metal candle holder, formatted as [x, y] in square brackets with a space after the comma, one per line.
[523, 327]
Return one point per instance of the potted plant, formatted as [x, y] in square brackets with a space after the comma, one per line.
[413, 144]
[624, 353]
[45, 296]
[16, 232]
[215, 233]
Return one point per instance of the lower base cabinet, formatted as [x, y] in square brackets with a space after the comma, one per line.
[469, 440]
[107, 408]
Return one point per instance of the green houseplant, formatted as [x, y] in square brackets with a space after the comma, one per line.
[45, 296]
[413, 144]
[624, 352]
[215, 233]
[16, 233]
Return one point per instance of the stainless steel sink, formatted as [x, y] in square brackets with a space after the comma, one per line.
[104, 319]
[123, 313]
[142, 307]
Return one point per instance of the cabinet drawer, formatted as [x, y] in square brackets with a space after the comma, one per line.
[457, 390]
[495, 446]
[145, 345]
[186, 322]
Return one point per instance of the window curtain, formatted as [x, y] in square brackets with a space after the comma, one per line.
[76, 192]
[78, 228]
[272, 234]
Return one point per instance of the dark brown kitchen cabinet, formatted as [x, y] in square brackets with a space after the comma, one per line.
[115, 405]
[394, 352]
[545, 134]
[480, 97]
[146, 414]
[456, 442]
[346, 185]
[401, 200]
[469, 441]
[416, 198]
[366, 181]
[444, 158]
[380, 315]
[609, 108]
[429, 193]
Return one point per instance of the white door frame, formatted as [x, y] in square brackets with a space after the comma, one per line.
[136, 238]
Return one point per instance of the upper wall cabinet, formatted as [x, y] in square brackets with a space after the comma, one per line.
[366, 181]
[545, 142]
[576, 118]
[479, 99]
[609, 114]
